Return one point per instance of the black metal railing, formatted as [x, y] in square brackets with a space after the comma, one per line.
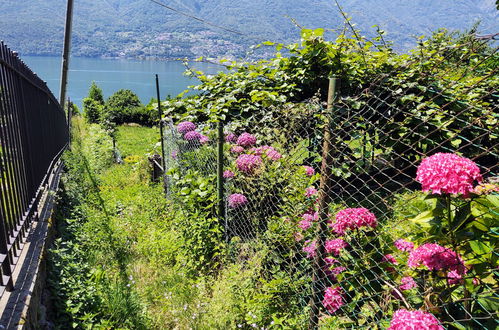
[33, 134]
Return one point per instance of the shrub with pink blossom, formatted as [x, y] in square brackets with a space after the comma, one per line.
[310, 248]
[248, 163]
[389, 259]
[304, 224]
[335, 246]
[203, 139]
[236, 149]
[231, 138]
[185, 126]
[436, 257]
[273, 154]
[310, 191]
[403, 319]
[246, 140]
[404, 245]
[310, 216]
[309, 171]
[407, 283]
[228, 174]
[192, 136]
[237, 200]
[353, 218]
[333, 299]
[446, 173]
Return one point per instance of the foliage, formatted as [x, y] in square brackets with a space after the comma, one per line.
[92, 110]
[95, 93]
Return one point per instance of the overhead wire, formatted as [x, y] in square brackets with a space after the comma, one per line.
[198, 19]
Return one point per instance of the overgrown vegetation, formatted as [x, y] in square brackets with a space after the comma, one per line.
[157, 262]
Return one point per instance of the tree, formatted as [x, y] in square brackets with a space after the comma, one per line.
[121, 105]
[92, 110]
[95, 93]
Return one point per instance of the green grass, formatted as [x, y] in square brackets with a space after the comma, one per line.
[136, 140]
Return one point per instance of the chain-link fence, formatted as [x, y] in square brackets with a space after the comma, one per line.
[371, 210]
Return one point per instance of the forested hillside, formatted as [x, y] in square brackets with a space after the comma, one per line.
[141, 28]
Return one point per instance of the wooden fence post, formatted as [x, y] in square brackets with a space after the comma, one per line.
[326, 185]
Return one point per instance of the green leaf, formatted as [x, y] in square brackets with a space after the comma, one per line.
[423, 219]
[480, 248]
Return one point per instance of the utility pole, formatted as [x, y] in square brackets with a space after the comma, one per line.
[65, 52]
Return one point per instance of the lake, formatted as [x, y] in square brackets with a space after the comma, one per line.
[114, 74]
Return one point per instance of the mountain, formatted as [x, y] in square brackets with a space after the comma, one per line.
[142, 28]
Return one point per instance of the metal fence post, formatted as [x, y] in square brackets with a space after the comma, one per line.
[160, 114]
[326, 184]
[220, 177]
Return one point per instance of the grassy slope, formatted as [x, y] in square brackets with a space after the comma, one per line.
[110, 233]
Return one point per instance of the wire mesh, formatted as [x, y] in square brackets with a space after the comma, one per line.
[332, 200]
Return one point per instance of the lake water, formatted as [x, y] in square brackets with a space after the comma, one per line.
[114, 74]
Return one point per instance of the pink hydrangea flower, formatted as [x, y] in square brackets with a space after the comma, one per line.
[309, 171]
[333, 299]
[204, 139]
[310, 216]
[304, 224]
[192, 136]
[390, 259]
[310, 248]
[236, 149]
[261, 150]
[273, 154]
[231, 138]
[446, 173]
[404, 245]
[185, 126]
[248, 163]
[246, 140]
[436, 257]
[228, 174]
[335, 246]
[310, 191]
[407, 283]
[403, 319]
[237, 200]
[353, 218]
[454, 277]
[338, 270]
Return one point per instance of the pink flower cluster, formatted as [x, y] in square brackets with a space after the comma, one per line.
[404, 245]
[228, 174]
[237, 200]
[389, 259]
[353, 218]
[310, 191]
[230, 137]
[248, 163]
[436, 257]
[335, 246]
[185, 126]
[236, 149]
[246, 140]
[192, 136]
[309, 171]
[333, 299]
[407, 283]
[408, 320]
[304, 224]
[310, 248]
[446, 173]
[269, 151]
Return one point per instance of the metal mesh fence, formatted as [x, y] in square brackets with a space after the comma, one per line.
[378, 208]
